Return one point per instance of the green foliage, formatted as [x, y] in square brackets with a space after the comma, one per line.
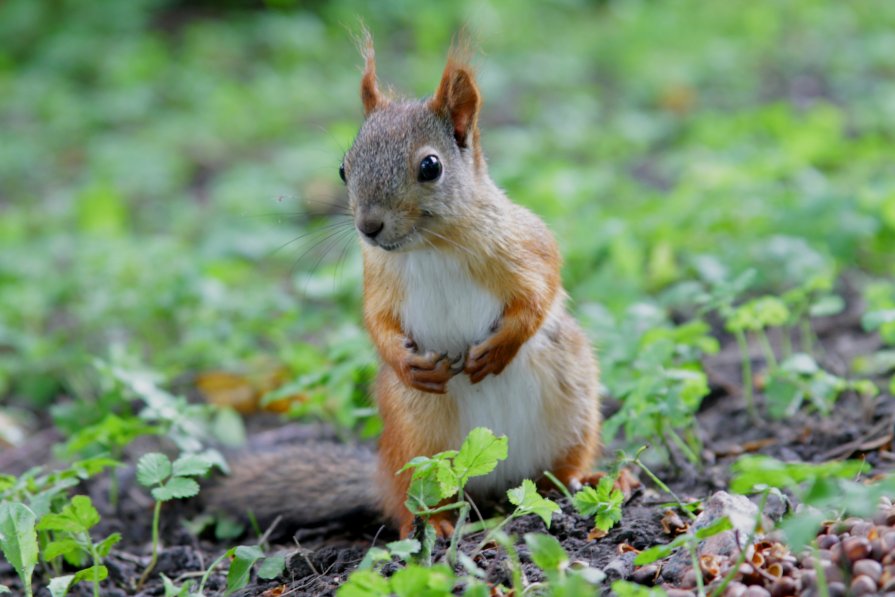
[603, 503]
[528, 501]
[828, 490]
[18, 540]
[70, 531]
[653, 367]
[800, 379]
[688, 540]
[169, 482]
[445, 474]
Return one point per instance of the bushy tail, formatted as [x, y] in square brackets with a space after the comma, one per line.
[308, 485]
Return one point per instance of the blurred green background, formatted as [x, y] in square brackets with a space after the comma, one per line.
[168, 169]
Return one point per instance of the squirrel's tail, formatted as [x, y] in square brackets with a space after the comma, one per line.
[307, 485]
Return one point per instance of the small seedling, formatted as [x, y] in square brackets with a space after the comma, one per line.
[71, 528]
[604, 503]
[168, 482]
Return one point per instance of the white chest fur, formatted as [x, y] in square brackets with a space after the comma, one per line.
[445, 310]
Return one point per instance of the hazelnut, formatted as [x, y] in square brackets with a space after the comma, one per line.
[869, 568]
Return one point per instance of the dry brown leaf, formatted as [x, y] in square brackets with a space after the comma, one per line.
[673, 524]
[595, 534]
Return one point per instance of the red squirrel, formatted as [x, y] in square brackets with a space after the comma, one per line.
[464, 303]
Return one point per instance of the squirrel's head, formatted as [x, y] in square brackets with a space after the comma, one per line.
[413, 167]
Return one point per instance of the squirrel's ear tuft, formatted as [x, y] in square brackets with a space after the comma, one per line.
[369, 90]
[458, 95]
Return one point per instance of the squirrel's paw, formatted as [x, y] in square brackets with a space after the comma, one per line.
[489, 357]
[427, 372]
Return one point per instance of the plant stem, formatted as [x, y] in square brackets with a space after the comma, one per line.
[455, 538]
[768, 350]
[156, 515]
[214, 565]
[719, 590]
[559, 484]
[636, 460]
[747, 373]
[96, 561]
[822, 589]
[697, 571]
[688, 452]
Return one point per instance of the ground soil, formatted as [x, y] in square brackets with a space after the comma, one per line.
[320, 559]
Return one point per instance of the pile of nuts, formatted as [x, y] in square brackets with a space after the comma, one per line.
[855, 556]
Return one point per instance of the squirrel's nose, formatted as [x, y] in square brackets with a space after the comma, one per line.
[370, 227]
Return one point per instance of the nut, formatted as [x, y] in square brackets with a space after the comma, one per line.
[869, 568]
[863, 585]
[757, 591]
[784, 587]
[856, 548]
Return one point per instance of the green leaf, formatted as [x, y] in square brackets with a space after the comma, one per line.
[61, 547]
[528, 501]
[60, 585]
[801, 528]
[105, 546]
[171, 590]
[93, 574]
[78, 516]
[546, 552]
[404, 549]
[603, 503]
[191, 465]
[176, 488]
[479, 454]
[244, 557]
[272, 567]
[719, 526]
[18, 539]
[414, 581]
[877, 319]
[374, 556]
[153, 468]
[364, 583]
[424, 493]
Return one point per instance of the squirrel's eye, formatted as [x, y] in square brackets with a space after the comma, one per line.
[342, 172]
[430, 168]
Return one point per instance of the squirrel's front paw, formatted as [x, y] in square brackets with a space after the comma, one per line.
[489, 357]
[428, 372]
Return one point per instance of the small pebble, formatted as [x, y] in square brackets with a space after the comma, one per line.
[757, 591]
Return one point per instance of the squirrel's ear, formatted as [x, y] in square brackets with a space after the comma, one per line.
[369, 90]
[458, 97]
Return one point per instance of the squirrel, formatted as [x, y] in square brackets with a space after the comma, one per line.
[464, 303]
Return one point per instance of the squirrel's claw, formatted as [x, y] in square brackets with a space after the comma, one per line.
[428, 372]
[488, 358]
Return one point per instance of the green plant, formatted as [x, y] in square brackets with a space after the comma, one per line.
[604, 503]
[654, 369]
[168, 482]
[71, 540]
[800, 379]
[829, 490]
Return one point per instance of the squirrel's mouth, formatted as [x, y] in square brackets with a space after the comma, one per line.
[395, 245]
